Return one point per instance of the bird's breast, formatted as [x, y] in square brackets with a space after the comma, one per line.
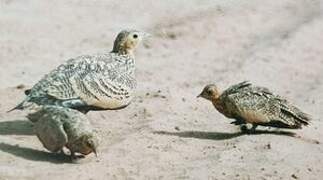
[254, 116]
[222, 109]
[112, 103]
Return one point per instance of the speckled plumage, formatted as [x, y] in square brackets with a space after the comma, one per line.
[91, 82]
[256, 105]
[59, 127]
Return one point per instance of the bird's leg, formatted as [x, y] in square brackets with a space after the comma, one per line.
[73, 156]
[61, 152]
[253, 128]
[242, 123]
[243, 128]
[247, 130]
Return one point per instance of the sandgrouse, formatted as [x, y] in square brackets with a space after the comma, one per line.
[256, 105]
[58, 127]
[91, 82]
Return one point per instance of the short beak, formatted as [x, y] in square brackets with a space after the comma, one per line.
[200, 95]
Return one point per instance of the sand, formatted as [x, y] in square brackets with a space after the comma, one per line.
[167, 133]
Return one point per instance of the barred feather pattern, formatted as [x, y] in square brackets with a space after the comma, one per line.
[105, 81]
[57, 127]
[258, 105]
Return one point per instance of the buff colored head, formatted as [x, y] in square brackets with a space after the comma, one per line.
[210, 92]
[127, 41]
[90, 143]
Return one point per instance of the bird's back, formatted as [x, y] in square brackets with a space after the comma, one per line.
[260, 106]
[103, 80]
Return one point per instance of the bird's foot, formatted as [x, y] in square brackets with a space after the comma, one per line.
[75, 158]
[244, 129]
[61, 152]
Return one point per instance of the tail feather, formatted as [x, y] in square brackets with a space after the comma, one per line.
[235, 88]
[304, 117]
[299, 118]
[20, 106]
[24, 104]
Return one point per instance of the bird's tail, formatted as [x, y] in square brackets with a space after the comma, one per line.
[24, 104]
[304, 118]
[296, 116]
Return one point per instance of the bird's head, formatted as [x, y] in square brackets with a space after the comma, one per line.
[90, 143]
[127, 41]
[210, 92]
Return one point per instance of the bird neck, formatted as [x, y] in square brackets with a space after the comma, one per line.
[215, 97]
[217, 102]
[123, 48]
[218, 106]
[123, 51]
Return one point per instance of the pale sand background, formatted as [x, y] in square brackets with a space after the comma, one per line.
[277, 43]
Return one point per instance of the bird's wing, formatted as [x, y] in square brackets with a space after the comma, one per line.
[67, 84]
[57, 83]
[288, 113]
[105, 81]
[253, 107]
[259, 105]
[84, 82]
[236, 88]
[51, 133]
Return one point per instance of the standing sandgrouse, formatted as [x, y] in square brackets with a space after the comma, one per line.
[59, 127]
[256, 105]
[91, 82]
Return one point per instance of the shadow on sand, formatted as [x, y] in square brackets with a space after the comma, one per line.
[18, 127]
[34, 155]
[221, 135]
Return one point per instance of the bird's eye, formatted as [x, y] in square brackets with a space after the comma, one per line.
[89, 144]
[135, 36]
[209, 92]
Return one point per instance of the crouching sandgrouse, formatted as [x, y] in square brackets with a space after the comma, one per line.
[58, 127]
[256, 105]
[91, 82]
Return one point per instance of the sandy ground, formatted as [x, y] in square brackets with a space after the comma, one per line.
[278, 44]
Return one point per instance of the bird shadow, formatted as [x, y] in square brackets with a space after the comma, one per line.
[221, 135]
[18, 127]
[34, 155]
